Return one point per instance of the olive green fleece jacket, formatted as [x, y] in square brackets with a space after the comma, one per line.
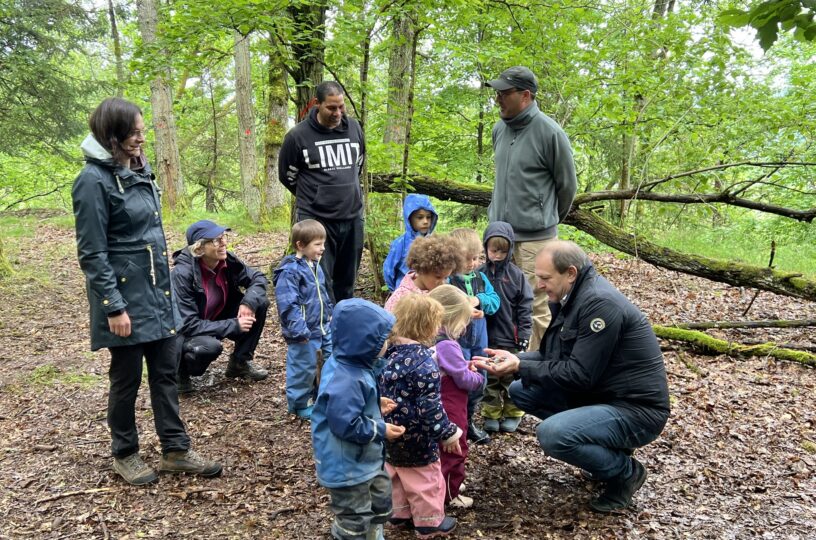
[535, 175]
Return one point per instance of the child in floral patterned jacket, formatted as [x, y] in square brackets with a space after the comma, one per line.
[412, 379]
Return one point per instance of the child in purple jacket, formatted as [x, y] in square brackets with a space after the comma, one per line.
[458, 380]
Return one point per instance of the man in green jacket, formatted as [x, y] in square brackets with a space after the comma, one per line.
[535, 177]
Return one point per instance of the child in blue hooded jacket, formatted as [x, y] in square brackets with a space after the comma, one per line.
[304, 309]
[420, 220]
[348, 429]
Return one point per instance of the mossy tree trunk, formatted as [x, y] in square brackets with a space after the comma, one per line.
[733, 273]
[707, 344]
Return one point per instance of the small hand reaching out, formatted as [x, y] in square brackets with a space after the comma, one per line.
[393, 431]
[387, 405]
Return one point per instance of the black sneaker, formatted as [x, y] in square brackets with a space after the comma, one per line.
[618, 493]
[443, 529]
[477, 434]
[245, 370]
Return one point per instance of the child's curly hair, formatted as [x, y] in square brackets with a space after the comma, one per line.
[457, 308]
[419, 318]
[435, 254]
[469, 241]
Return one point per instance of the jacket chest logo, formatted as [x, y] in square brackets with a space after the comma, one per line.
[596, 325]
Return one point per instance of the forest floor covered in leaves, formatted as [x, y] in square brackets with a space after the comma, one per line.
[736, 460]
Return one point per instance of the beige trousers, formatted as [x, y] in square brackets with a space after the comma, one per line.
[524, 254]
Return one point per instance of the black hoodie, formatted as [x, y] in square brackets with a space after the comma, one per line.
[514, 320]
[321, 167]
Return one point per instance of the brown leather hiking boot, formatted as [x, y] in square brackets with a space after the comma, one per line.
[190, 462]
[134, 470]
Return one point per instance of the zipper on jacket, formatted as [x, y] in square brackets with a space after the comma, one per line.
[152, 264]
[319, 296]
[119, 183]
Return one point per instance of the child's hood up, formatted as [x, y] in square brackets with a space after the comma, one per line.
[359, 329]
[503, 230]
[414, 202]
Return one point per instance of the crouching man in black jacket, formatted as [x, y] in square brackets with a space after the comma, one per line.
[218, 297]
[598, 381]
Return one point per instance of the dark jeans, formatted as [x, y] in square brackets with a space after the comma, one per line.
[356, 508]
[597, 438]
[341, 258]
[199, 352]
[125, 376]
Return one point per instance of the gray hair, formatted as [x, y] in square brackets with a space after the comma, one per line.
[565, 254]
[197, 247]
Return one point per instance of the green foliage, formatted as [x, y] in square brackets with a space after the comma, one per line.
[651, 95]
[770, 16]
[748, 240]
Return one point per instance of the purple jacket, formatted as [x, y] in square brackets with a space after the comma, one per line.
[453, 364]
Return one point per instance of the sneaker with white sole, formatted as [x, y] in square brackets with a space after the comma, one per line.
[134, 470]
[460, 501]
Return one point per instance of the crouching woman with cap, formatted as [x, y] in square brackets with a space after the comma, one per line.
[219, 297]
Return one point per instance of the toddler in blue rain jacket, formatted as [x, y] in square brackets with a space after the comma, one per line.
[348, 429]
[420, 220]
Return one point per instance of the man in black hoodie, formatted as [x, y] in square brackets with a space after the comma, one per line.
[320, 163]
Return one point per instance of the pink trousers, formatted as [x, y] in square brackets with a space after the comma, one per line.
[418, 493]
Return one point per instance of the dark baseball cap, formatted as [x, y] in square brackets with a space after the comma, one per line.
[204, 229]
[515, 77]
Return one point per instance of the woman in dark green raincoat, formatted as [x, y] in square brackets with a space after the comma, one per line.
[122, 251]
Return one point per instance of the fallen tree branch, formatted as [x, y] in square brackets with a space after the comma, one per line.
[72, 494]
[705, 325]
[702, 342]
[724, 197]
[733, 273]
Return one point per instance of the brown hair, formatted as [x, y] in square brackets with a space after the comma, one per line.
[435, 254]
[457, 308]
[468, 240]
[499, 243]
[111, 123]
[307, 231]
[419, 318]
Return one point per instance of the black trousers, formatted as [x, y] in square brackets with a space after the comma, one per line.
[125, 375]
[198, 352]
[341, 259]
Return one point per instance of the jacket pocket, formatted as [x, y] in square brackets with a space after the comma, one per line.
[339, 200]
[133, 280]
[531, 213]
[567, 338]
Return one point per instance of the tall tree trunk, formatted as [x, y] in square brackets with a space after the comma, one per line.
[308, 51]
[276, 120]
[167, 165]
[251, 192]
[209, 189]
[399, 63]
[117, 51]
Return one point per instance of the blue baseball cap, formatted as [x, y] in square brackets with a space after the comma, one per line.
[204, 229]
